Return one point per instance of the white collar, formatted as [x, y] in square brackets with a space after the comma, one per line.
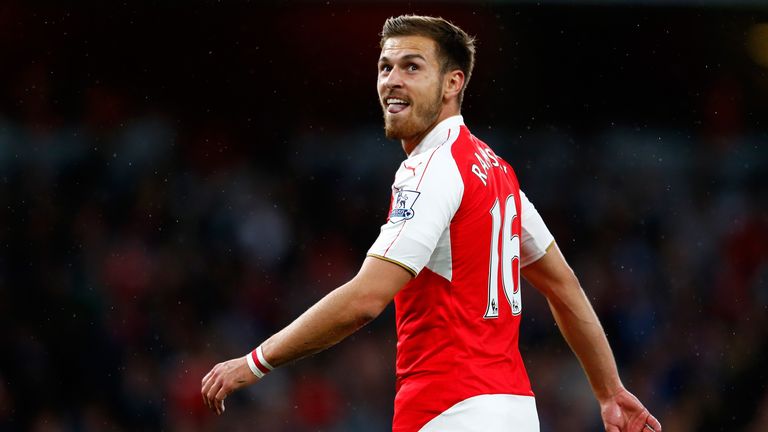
[439, 134]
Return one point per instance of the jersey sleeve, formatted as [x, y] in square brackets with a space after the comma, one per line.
[536, 238]
[423, 205]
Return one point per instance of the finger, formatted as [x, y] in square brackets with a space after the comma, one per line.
[612, 428]
[652, 422]
[211, 395]
[206, 389]
[217, 406]
[219, 398]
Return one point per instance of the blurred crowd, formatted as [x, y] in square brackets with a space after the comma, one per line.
[138, 250]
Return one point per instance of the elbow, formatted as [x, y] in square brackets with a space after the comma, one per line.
[566, 283]
[363, 319]
[369, 293]
[367, 299]
[366, 305]
[571, 281]
[366, 310]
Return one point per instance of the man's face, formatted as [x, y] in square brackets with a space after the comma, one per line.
[410, 86]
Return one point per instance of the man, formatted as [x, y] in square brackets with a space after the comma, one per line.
[458, 235]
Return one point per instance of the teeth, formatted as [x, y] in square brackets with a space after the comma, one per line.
[391, 101]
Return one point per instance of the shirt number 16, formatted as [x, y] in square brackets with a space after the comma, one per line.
[510, 259]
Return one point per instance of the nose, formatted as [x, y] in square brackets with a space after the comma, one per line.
[394, 78]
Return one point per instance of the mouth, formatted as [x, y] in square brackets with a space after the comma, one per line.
[395, 105]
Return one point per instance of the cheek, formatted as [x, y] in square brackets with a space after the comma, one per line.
[380, 83]
[381, 90]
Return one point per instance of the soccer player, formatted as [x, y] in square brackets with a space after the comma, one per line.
[459, 233]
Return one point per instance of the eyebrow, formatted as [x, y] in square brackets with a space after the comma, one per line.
[384, 59]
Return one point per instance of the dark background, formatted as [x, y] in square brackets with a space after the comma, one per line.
[179, 180]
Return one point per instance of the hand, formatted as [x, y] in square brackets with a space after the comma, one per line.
[223, 379]
[623, 412]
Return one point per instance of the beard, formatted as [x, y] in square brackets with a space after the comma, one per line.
[421, 117]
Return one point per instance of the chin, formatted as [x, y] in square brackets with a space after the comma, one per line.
[392, 134]
[393, 131]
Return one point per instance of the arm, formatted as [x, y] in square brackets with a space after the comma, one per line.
[579, 324]
[336, 316]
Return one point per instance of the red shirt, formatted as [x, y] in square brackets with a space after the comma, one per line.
[459, 222]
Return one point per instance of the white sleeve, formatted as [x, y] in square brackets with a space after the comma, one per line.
[424, 202]
[536, 236]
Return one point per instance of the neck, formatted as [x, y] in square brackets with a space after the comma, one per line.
[410, 143]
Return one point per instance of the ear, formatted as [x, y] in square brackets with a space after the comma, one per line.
[453, 83]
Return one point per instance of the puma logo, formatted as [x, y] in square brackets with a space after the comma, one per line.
[412, 168]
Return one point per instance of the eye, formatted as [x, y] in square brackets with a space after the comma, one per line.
[385, 68]
[413, 67]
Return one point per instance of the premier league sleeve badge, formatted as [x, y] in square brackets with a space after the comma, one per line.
[402, 205]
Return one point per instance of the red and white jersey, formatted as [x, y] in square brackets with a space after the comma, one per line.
[459, 222]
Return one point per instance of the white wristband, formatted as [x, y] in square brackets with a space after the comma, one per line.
[262, 360]
[257, 363]
[252, 365]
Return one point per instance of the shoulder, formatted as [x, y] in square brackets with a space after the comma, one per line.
[476, 160]
[434, 165]
[469, 149]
